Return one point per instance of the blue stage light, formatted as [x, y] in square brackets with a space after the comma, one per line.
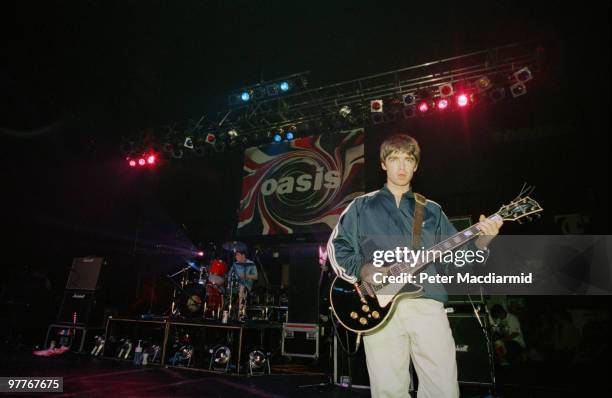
[245, 96]
[278, 137]
[284, 86]
[289, 136]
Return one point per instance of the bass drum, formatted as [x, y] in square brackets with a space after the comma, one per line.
[217, 272]
[192, 301]
[214, 300]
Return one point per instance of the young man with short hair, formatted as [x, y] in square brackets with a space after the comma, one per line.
[419, 328]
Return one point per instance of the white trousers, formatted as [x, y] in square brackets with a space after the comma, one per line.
[418, 329]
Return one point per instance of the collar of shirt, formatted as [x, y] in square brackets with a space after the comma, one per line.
[408, 194]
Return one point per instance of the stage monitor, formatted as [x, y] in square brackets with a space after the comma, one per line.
[300, 186]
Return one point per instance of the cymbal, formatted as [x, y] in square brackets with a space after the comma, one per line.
[235, 246]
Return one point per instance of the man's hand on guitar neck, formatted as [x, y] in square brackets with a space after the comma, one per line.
[490, 229]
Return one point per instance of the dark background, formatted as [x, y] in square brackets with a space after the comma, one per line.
[76, 76]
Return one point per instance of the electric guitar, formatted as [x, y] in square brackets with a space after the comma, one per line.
[356, 309]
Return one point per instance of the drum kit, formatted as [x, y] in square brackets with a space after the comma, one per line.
[211, 291]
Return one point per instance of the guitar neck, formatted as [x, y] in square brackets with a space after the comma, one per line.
[449, 244]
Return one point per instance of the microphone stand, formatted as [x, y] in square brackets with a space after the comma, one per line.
[484, 325]
[173, 307]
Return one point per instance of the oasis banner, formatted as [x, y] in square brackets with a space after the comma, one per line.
[300, 186]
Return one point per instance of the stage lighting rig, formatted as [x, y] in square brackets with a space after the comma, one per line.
[269, 89]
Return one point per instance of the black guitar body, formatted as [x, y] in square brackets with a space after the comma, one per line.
[358, 316]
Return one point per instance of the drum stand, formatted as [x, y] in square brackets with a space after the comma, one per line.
[174, 307]
[231, 280]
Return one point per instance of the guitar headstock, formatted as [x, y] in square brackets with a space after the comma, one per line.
[519, 209]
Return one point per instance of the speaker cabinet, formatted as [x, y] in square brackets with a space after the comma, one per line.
[473, 363]
[84, 273]
[81, 306]
[304, 273]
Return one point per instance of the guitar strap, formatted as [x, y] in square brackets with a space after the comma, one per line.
[417, 225]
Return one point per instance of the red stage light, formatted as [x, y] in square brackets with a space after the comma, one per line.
[462, 100]
[141, 162]
[446, 90]
[132, 163]
[443, 104]
[423, 107]
[151, 159]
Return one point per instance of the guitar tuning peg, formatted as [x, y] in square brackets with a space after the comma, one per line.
[519, 221]
[529, 218]
[538, 215]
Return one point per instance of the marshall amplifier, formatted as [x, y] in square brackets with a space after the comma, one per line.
[80, 307]
[84, 273]
[473, 364]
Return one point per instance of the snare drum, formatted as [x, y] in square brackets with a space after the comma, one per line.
[217, 272]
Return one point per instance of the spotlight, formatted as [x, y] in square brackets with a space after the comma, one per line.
[443, 104]
[132, 163]
[220, 357]
[278, 137]
[409, 112]
[210, 138]
[151, 159]
[518, 89]
[423, 107]
[376, 106]
[188, 143]
[232, 133]
[289, 136]
[245, 96]
[258, 362]
[497, 94]
[523, 75]
[377, 117]
[272, 90]
[408, 99]
[141, 162]
[345, 111]
[259, 92]
[446, 90]
[483, 83]
[284, 86]
[463, 100]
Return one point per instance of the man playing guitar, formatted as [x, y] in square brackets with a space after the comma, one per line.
[419, 328]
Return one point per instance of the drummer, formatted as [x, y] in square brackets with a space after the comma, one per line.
[246, 271]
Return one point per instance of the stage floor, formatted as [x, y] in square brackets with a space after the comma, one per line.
[87, 377]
